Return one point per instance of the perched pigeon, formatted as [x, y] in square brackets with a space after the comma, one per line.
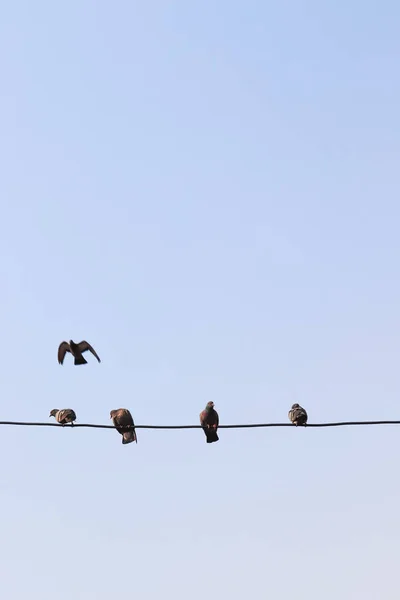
[298, 415]
[76, 351]
[122, 418]
[209, 420]
[66, 415]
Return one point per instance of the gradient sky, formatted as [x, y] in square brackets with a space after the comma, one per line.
[208, 192]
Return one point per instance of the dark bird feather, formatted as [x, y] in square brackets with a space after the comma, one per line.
[298, 415]
[76, 350]
[63, 416]
[122, 419]
[209, 420]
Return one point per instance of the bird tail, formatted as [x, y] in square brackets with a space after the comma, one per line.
[128, 437]
[212, 436]
[80, 360]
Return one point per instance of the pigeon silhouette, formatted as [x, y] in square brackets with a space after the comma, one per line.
[298, 415]
[209, 420]
[76, 350]
[122, 418]
[64, 416]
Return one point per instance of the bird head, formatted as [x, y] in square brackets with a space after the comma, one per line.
[112, 413]
[296, 405]
[71, 342]
[210, 405]
[53, 412]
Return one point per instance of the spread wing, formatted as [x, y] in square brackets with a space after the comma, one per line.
[84, 346]
[63, 348]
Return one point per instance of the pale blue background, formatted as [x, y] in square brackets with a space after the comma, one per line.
[208, 192]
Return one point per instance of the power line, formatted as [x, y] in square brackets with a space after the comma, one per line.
[242, 426]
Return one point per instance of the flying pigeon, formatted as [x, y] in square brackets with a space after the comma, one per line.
[122, 418]
[298, 415]
[209, 420]
[76, 351]
[66, 415]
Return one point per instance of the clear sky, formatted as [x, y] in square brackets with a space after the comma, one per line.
[208, 192]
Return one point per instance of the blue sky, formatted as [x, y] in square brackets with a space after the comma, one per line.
[208, 193]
